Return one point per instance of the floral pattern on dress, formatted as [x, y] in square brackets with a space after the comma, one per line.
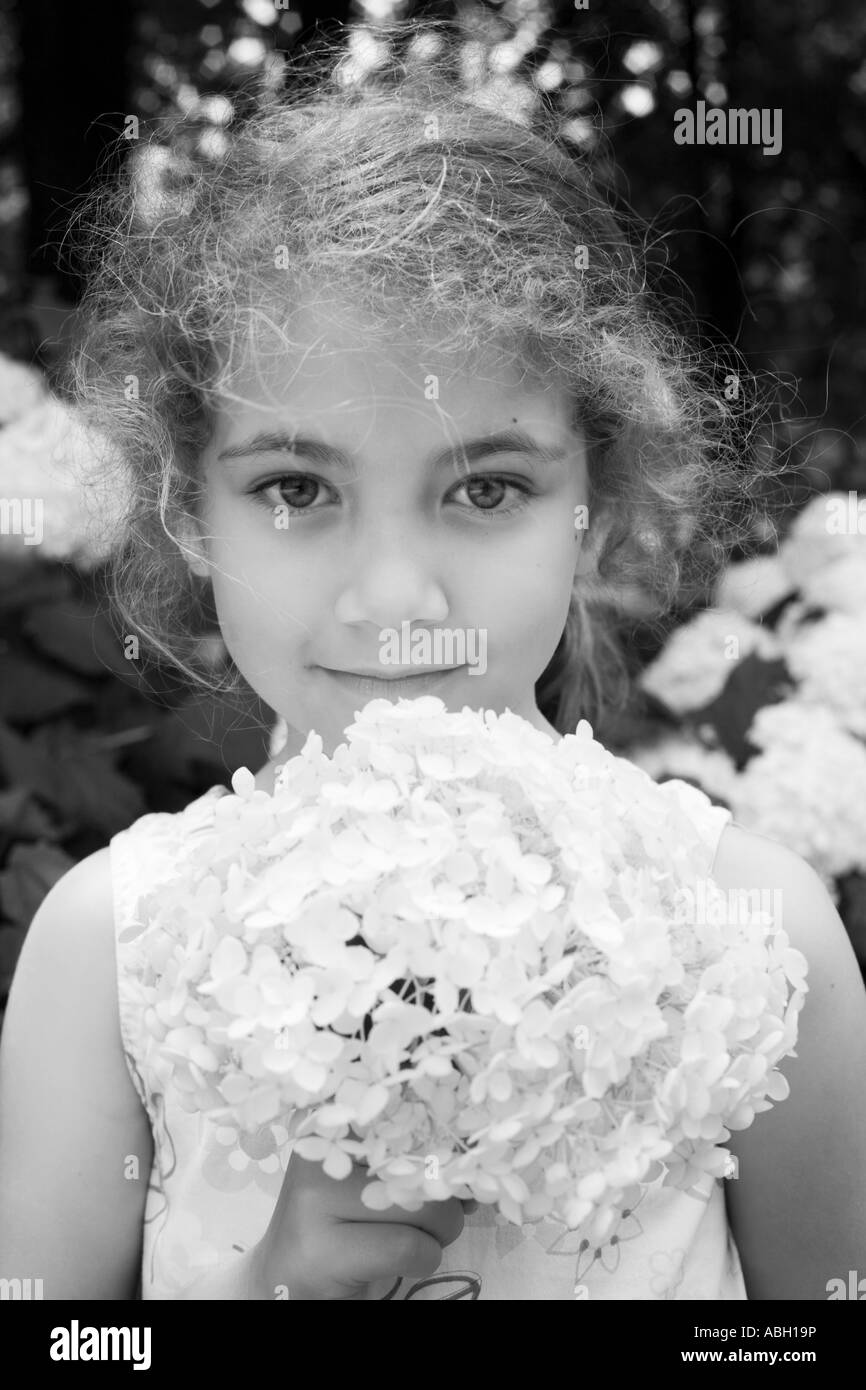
[236, 1159]
[609, 1253]
[187, 1250]
[164, 1165]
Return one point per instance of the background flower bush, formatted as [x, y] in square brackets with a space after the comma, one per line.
[85, 745]
[760, 700]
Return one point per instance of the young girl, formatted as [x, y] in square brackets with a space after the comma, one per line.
[384, 357]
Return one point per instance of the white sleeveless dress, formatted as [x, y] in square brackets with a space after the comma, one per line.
[210, 1197]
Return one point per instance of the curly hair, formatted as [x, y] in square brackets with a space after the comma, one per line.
[424, 206]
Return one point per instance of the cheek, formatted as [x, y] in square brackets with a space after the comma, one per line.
[527, 620]
[265, 604]
[547, 595]
[242, 616]
[547, 571]
[247, 563]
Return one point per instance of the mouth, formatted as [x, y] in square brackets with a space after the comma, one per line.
[391, 687]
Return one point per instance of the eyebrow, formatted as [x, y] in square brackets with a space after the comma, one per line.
[510, 441]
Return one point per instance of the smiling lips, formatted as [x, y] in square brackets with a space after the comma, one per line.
[366, 684]
[401, 674]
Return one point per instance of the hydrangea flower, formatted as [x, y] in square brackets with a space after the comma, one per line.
[801, 788]
[807, 784]
[43, 455]
[828, 661]
[810, 546]
[22, 388]
[840, 587]
[753, 586]
[694, 665]
[452, 953]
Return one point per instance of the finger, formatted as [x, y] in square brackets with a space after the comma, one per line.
[442, 1220]
[364, 1254]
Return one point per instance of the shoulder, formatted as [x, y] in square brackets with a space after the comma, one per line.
[82, 897]
[71, 936]
[796, 1208]
[804, 910]
[745, 852]
[745, 860]
[806, 913]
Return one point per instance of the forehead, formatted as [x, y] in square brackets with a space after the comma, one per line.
[330, 360]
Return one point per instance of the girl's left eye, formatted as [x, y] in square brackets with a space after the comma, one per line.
[299, 481]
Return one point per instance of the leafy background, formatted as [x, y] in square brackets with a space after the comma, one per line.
[770, 251]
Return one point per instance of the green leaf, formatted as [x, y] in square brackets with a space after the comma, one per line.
[86, 788]
[31, 691]
[22, 818]
[23, 583]
[22, 763]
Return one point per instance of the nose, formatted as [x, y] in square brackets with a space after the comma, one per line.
[391, 581]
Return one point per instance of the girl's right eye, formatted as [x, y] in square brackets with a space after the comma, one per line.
[294, 480]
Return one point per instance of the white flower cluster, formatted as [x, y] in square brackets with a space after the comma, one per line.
[827, 659]
[21, 388]
[840, 588]
[806, 787]
[44, 455]
[452, 953]
[753, 586]
[815, 542]
[692, 668]
[823, 561]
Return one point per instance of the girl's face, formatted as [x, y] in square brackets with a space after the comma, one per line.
[332, 556]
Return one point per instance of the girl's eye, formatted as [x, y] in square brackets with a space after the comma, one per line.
[302, 484]
[481, 481]
[299, 482]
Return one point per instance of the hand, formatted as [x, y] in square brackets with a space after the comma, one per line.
[323, 1243]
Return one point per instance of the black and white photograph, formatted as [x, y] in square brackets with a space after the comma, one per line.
[433, 666]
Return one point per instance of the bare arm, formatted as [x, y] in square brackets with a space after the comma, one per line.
[798, 1207]
[70, 1117]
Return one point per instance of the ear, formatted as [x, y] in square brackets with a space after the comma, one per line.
[591, 545]
[193, 551]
